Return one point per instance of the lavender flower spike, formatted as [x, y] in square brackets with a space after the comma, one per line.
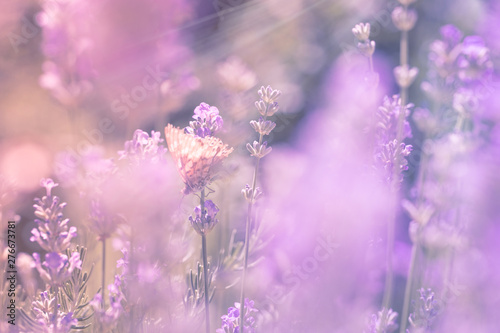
[57, 268]
[47, 320]
[52, 233]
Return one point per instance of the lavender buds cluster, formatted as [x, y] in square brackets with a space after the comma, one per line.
[231, 322]
[59, 264]
[267, 106]
[367, 48]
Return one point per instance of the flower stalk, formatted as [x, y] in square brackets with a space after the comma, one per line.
[205, 266]
[267, 106]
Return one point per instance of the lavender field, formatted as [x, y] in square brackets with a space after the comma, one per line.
[230, 166]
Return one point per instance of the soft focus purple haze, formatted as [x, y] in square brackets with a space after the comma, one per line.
[87, 88]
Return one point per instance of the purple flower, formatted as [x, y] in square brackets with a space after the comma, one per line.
[101, 222]
[207, 121]
[474, 61]
[451, 35]
[384, 321]
[47, 320]
[426, 310]
[57, 268]
[142, 147]
[230, 322]
[205, 222]
[387, 150]
[52, 233]
[108, 318]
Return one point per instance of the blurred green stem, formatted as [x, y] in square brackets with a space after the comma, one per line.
[247, 234]
[205, 266]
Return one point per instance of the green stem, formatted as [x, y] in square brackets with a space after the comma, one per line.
[408, 289]
[205, 266]
[386, 301]
[396, 173]
[247, 236]
[103, 278]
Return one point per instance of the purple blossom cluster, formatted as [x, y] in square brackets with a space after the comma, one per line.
[143, 148]
[230, 322]
[207, 121]
[52, 233]
[47, 320]
[388, 150]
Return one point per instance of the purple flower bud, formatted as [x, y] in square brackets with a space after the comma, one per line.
[451, 35]
[362, 31]
[403, 18]
[259, 150]
[204, 221]
[263, 127]
[405, 75]
[268, 94]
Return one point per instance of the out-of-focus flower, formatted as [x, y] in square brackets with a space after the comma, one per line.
[235, 75]
[207, 123]
[57, 268]
[269, 95]
[67, 72]
[52, 233]
[426, 310]
[474, 61]
[387, 150]
[405, 75]
[387, 117]
[24, 264]
[406, 2]
[230, 322]
[263, 127]
[197, 159]
[383, 322]
[204, 221]
[251, 196]
[142, 147]
[108, 318]
[48, 322]
[102, 222]
[259, 150]
[403, 18]
[361, 31]
[367, 48]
